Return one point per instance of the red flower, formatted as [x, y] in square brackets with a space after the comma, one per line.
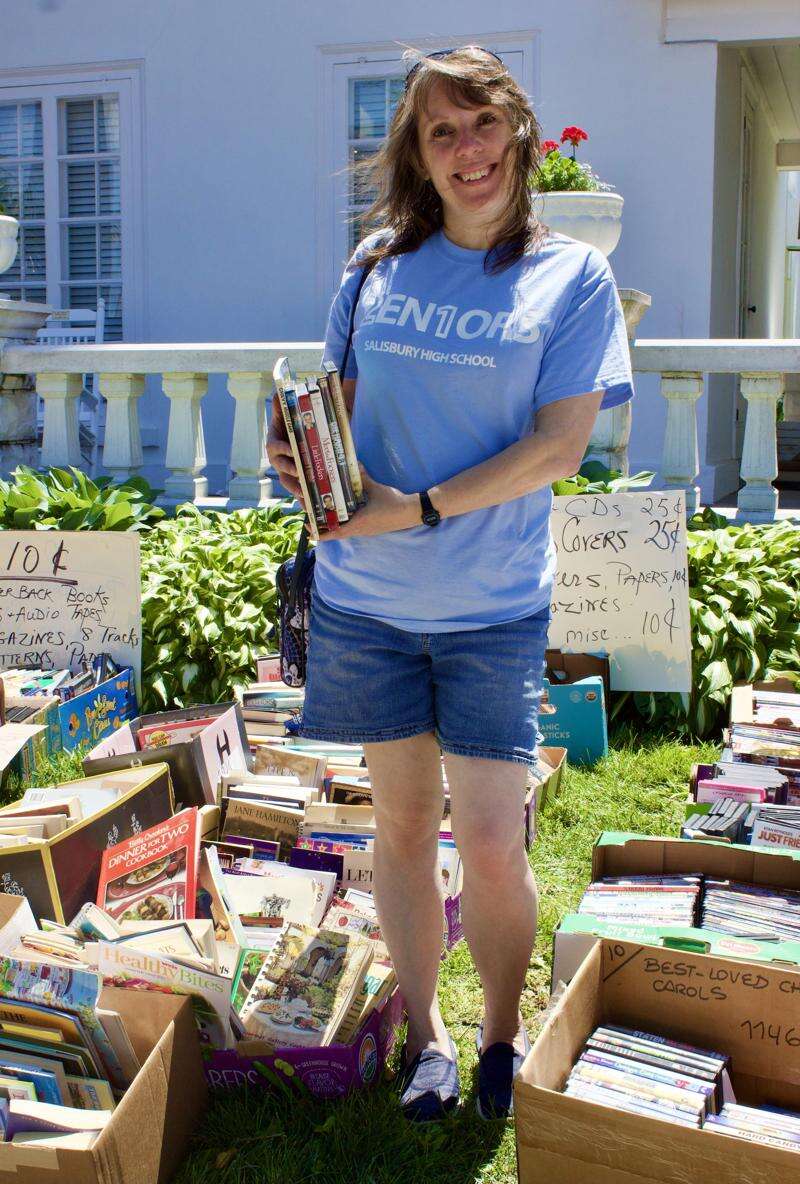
[573, 135]
[549, 146]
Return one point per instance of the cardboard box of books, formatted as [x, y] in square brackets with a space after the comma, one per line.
[574, 715]
[676, 1067]
[773, 703]
[197, 743]
[86, 718]
[52, 840]
[728, 871]
[146, 1135]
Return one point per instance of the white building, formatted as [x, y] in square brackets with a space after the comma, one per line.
[184, 159]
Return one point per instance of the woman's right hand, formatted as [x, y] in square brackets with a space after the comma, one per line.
[280, 453]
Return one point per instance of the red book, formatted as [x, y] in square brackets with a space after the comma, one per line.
[317, 458]
[153, 876]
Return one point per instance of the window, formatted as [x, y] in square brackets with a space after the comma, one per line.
[67, 153]
[361, 88]
[22, 195]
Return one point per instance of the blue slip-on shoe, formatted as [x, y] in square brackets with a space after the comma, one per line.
[497, 1068]
[429, 1085]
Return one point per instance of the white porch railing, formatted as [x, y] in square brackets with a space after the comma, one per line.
[762, 366]
[184, 370]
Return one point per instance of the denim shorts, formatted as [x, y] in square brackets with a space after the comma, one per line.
[477, 690]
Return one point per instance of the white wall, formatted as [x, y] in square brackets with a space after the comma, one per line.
[230, 124]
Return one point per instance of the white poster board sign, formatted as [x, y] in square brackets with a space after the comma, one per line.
[68, 595]
[622, 586]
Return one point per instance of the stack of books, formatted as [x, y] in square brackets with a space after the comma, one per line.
[650, 1075]
[318, 430]
[660, 900]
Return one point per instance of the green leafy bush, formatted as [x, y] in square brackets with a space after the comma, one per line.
[744, 602]
[66, 499]
[208, 601]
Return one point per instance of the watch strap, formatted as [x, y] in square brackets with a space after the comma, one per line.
[430, 515]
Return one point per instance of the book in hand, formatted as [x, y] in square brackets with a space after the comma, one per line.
[318, 430]
[152, 876]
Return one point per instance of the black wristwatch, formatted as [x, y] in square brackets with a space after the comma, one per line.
[430, 515]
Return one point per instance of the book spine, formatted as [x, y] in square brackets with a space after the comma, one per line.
[302, 458]
[338, 446]
[343, 420]
[328, 453]
[317, 459]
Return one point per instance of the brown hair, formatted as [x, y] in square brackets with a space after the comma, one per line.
[406, 204]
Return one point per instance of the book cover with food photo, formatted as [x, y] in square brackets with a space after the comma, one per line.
[152, 876]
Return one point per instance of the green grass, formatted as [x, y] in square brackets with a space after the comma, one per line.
[258, 1137]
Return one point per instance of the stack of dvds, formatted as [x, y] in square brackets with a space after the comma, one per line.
[659, 900]
[751, 910]
[318, 430]
[726, 820]
[650, 1075]
[768, 1124]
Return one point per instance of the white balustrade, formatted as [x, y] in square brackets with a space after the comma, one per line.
[681, 365]
[681, 464]
[758, 498]
[60, 441]
[186, 447]
[122, 447]
[249, 460]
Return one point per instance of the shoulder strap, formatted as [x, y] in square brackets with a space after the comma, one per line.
[364, 273]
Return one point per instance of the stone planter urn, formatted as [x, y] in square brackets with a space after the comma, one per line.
[9, 231]
[594, 218]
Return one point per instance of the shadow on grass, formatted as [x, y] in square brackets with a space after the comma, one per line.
[251, 1135]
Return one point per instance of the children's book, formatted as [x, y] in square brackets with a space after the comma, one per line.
[152, 876]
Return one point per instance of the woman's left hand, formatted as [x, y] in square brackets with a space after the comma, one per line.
[386, 509]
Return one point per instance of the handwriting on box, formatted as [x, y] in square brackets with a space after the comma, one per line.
[66, 596]
[622, 586]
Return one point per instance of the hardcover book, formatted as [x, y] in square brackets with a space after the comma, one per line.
[152, 876]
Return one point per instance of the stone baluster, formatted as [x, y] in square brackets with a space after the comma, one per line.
[60, 441]
[758, 498]
[186, 449]
[249, 461]
[612, 430]
[681, 461]
[122, 448]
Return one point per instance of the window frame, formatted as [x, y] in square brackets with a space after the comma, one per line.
[50, 87]
[337, 65]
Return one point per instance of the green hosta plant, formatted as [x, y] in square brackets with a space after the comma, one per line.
[208, 601]
[66, 499]
[594, 477]
[744, 601]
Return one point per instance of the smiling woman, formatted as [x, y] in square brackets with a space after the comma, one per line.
[478, 350]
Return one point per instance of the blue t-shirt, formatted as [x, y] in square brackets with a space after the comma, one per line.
[452, 365]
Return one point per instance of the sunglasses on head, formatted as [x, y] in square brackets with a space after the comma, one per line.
[443, 53]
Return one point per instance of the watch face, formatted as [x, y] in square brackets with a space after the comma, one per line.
[431, 518]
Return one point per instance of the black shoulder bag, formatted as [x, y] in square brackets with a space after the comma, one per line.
[294, 577]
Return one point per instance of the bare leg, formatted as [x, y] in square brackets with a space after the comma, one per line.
[408, 797]
[499, 901]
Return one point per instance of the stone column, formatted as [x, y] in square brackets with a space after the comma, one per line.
[612, 430]
[681, 461]
[186, 449]
[19, 443]
[122, 447]
[249, 461]
[60, 441]
[758, 499]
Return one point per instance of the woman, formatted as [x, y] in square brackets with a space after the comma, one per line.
[482, 349]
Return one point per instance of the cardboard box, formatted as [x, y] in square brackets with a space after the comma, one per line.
[618, 853]
[59, 875]
[325, 1072]
[195, 765]
[540, 792]
[742, 710]
[746, 1010]
[149, 1132]
[574, 715]
[87, 718]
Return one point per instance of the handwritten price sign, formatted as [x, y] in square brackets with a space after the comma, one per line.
[68, 596]
[622, 586]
